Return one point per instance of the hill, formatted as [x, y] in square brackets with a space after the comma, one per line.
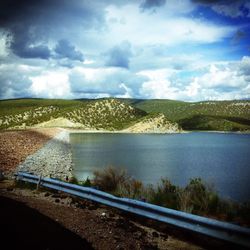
[109, 114]
[119, 114]
[209, 115]
[103, 114]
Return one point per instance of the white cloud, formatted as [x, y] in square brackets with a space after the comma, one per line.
[51, 85]
[221, 82]
[158, 86]
[112, 81]
[141, 29]
[14, 82]
[225, 77]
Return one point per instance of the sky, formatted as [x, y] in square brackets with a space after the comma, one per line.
[190, 50]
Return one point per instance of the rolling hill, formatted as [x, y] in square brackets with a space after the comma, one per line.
[129, 114]
[209, 115]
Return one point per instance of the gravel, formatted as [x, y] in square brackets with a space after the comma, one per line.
[54, 159]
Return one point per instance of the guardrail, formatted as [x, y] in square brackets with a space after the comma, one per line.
[197, 224]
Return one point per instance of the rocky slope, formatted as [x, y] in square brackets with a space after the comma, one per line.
[156, 123]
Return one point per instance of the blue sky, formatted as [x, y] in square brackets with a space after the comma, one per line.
[189, 50]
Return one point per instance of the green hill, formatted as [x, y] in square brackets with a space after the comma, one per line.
[209, 115]
[117, 114]
[109, 114]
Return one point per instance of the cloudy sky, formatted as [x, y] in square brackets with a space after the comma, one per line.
[187, 50]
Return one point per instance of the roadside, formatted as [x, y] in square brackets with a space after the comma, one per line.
[103, 227]
[26, 228]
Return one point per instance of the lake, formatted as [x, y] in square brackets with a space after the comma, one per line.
[221, 159]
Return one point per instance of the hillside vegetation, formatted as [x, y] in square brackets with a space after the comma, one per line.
[132, 115]
[210, 115]
[106, 114]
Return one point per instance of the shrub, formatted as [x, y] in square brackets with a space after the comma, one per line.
[165, 194]
[86, 183]
[131, 188]
[184, 204]
[110, 178]
[73, 180]
[198, 197]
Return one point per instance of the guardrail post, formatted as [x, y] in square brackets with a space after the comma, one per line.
[39, 181]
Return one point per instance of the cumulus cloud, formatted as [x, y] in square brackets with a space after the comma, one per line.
[112, 81]
[218, 81]
[14, 85]
[119, 55]
[65, 49]
[222, 81]
[244, 66]
[171, 30]
[51, 84]
[33, 24]
[158, 85]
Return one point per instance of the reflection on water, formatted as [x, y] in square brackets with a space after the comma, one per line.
[221, 159]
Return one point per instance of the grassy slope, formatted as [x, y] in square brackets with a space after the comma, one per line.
[219, 115]
[102, 114]
[14, 107]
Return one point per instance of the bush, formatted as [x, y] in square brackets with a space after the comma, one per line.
[110, 179]
[86, 183]
[165, 194]
[73, 180]
[198, 197]
[131, 188]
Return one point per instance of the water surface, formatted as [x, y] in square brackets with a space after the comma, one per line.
[222, 160]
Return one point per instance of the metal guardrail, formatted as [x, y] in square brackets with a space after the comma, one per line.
[197, 224]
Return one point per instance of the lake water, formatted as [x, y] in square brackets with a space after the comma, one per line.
[222, 160]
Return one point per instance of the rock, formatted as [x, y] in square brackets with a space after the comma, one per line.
[53, 160]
